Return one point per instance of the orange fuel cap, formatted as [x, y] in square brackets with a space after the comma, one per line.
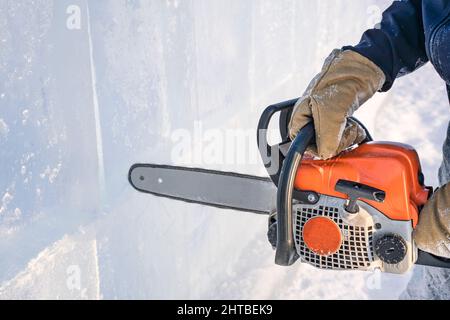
[322, 236]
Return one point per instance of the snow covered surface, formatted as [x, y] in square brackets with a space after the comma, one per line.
[82, 100]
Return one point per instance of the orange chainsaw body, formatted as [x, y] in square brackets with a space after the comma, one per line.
[391, 167]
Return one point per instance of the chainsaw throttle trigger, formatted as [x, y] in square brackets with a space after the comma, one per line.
[356, 191]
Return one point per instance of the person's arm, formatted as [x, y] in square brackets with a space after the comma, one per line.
[398, 47]
[352, 75]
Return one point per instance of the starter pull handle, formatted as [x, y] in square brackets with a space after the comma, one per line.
[356, 191]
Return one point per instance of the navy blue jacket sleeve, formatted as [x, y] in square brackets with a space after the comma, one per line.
[398, 46]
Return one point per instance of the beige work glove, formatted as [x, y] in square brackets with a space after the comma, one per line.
[346, 81]
[432, 233]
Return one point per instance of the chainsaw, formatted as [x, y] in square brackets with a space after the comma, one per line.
[356, 211]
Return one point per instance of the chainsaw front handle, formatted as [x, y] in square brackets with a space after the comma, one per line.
[272, 156]
[283, 169]
[285, 251]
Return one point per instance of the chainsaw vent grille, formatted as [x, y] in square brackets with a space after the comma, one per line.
[355, 252]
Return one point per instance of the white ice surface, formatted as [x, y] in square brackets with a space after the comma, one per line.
[78, 107]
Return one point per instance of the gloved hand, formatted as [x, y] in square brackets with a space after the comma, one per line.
[346, 81]
[432, 233]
